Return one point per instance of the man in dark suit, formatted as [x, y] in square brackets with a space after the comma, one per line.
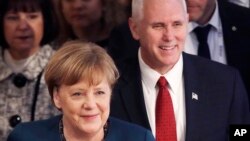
[235, 39]
[228, 37]
[206, 96]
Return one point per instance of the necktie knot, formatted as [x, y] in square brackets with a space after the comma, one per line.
[162, 82]
[202, 33]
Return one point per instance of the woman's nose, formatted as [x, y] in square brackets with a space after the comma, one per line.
[89, 103]
[23, 24]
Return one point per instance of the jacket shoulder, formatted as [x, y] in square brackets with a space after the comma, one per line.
[124, 131]
[206, 65]
[35, 130]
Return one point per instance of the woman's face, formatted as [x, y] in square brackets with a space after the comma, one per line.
[85, 108]
[82, 13]
[23, 31]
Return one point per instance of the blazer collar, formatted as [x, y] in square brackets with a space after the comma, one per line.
[132, 94]
[193, 95]
[33, 68]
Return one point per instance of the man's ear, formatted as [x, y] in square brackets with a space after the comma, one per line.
[56, 98]
[188, 17]
[133, 25]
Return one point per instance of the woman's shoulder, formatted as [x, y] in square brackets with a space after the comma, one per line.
[37, 129]
[123, 125]
[40, 124]
[124, 131]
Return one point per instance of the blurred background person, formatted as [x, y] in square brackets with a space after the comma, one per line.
[80, 77]
[220, 31]
[126, 4]
[26, 28]
[244, 3]
[89, 20]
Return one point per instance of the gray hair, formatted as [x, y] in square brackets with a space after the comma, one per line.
[137, 8]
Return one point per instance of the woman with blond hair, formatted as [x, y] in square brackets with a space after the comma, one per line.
[80, 77]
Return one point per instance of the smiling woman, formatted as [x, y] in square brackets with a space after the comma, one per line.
[26, 28]
[80, 78]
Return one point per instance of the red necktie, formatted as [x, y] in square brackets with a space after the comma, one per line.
[165, 119]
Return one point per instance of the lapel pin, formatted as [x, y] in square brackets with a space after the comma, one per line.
[194, 96]
[234, 28]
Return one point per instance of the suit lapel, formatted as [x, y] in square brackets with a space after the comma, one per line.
[193, 99]
[228, 34]
[132, 95]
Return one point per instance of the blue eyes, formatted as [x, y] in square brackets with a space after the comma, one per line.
[163, 26]
[76, 94]
[100, 92]
[82, 94]
[177, 24]
[158, 26]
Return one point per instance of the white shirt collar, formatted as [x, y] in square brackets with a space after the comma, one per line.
[150, 76]
[174, 76]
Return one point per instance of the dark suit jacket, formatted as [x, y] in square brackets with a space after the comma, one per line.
[48, 130]
[222, 99]
[237, 42]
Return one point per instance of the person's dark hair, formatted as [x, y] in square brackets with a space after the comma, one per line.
[45, 6]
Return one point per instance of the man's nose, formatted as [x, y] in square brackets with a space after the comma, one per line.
[168, 34]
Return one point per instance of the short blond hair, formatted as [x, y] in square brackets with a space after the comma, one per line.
[77, 60]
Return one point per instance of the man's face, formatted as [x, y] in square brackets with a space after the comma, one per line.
[162, 32]
[200, 11]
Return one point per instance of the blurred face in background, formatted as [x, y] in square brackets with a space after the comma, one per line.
[125, 2]
[200, 11]
[82, 13]
[23, 31]
[85, 107]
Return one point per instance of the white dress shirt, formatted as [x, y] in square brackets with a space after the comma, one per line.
[215, 39]
[244, 3]
[176, 90]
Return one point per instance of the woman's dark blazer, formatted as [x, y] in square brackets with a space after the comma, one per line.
[48, 130]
